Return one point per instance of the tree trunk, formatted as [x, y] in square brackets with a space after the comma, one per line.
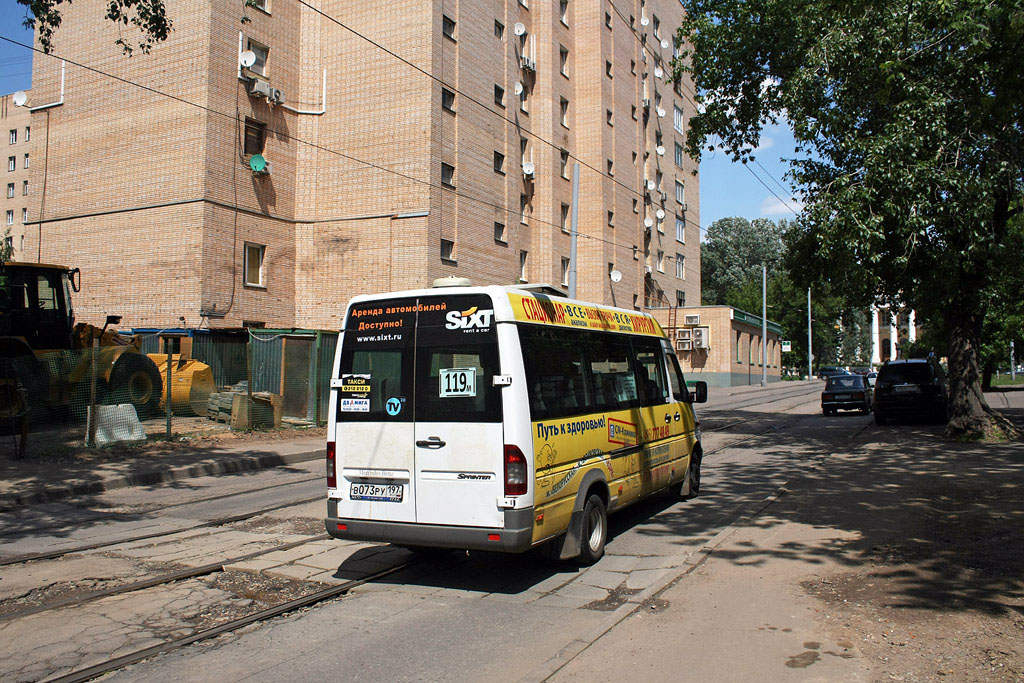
[970, 416]
[986, 375]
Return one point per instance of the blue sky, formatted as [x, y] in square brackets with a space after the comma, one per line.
[726, 188]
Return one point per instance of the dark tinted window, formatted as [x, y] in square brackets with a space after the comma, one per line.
[651, 362]
[905, 372]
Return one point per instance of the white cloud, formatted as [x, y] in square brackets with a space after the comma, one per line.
[772, 206]
[765, 143]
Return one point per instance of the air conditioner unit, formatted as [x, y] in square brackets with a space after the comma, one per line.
[685, 206]
[259, 87]
[682, 333]
[663, 196]
[266, 170]
[276, 95]
[700, 338]
[528, 63]
[647, 102]
[691, 320]
[648, 269]
[684, 345]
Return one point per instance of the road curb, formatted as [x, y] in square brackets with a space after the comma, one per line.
[245, 463]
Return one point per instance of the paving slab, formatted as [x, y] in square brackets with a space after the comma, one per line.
[601, 578]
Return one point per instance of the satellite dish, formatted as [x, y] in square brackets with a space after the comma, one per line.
[528, 167]
[660, 150]
[648, 221]
[20, 98]
[644, 21]
[660, 213]
[615, 275]
[658, 72]
[247, 58]
[661, 113]
[518, 88]
[664, 43]
[519, 28]
[257, 163]
[650, 184]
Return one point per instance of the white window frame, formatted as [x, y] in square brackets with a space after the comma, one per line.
[680, 266]
[10, 190]
[10, 216]
[261, 250]
[25, 163]
[12, 163]
[448, 246]
[14, 136]
[564, 218]
[449, 170]
[259, 49]
[680, 192]
[522, 264]
[24, 216]
[565, 271]
[677, 118]
[661, 261]
[680, 229]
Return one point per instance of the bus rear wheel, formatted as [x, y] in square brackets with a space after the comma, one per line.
[594, 533]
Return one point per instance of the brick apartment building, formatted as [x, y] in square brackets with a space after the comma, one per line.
[443, 147]
[15, 207]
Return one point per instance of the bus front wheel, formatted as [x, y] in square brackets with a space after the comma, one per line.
[595, 530]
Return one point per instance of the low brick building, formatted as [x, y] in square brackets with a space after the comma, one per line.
[721, 345]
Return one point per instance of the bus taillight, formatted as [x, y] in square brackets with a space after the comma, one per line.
[332, 479]
[515, 471]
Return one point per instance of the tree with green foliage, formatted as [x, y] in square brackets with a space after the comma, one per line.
[149, 17]
[734, 251]
[908, 122]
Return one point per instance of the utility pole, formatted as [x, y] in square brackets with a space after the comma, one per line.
[810, 353]
[1013, 364]
[764, 326]
[573, 231]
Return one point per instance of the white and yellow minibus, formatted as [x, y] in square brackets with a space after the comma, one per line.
[502, 418]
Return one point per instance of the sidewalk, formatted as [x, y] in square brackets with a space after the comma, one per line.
[39, 479]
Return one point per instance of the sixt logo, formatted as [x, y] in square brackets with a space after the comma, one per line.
[468, 320]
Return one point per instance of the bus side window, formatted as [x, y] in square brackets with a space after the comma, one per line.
[675, 378]
[651, 370]
[554, 374]
[611, 371]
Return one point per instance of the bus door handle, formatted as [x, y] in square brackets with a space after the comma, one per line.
[431, 442]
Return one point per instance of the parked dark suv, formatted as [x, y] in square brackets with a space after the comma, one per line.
[915, 387]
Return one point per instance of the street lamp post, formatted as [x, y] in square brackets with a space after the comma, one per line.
[764, 326]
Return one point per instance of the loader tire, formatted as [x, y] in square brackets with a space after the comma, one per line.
[136, 380]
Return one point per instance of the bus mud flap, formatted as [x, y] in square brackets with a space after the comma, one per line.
[572, 541]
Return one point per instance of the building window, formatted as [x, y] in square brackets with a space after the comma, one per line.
[563, 11]
[523, 207]
[636, 205]
[608, 117]
[12, 163]
[632, 66]
[24, 188]
[656, 26]
[632, 111]
[611, 167]
[499, 232]
[9, 241]
[14, 136]
[255, 134]
[499, 30]
[25, 165]
[680, 229]
[679, 155]
[499, 163]
[447, 100]
[24, 215]
[661, 223]
[563, 60]
[499, 96]
[447, 175]
[28, 133]
[677, 118]
[680, 195]
[632, 21]
[680, 298]
[611, 219]
[658, 175]
[608, 69]
[608, 19]
[564, 164]
[447, 250]
[739, 337]
[254, 255]
[565, 272]
[448, 26]
[661, 261]
[658, 139]
[10, 217]
[634, 158]
[262, 53]
[564, 111]
[680, 266]
[10, 190]
[524, 99]
[525, 3]
[564, 218]
[522, 265]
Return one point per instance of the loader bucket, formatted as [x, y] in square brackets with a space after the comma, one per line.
[191, 383]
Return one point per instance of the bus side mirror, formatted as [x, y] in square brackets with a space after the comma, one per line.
[699, 393]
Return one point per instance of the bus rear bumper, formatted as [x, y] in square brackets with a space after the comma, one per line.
[514, 537]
